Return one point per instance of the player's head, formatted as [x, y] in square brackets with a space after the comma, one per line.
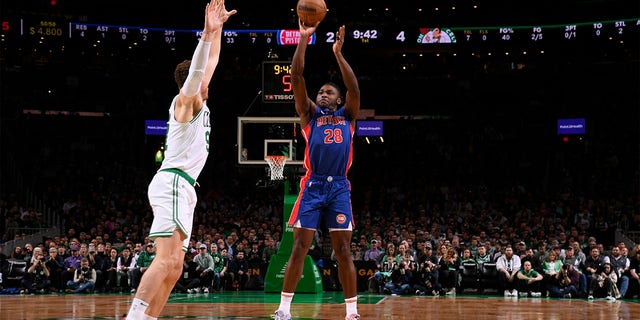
[329, 96]
[181, 73]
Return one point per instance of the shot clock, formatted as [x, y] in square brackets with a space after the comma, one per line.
[276, 82]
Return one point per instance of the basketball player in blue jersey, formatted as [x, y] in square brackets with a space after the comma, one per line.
[172, 192]
[327, 126]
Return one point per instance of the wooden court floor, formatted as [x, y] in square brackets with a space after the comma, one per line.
[328, 305]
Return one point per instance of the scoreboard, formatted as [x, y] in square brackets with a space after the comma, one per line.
[57, 29]
[276, 81]
[56, 32]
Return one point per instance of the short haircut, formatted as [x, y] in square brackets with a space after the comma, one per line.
[181, 72]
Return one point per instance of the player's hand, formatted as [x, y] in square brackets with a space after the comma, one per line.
[337, 46]
[216, 15]
[305, 30]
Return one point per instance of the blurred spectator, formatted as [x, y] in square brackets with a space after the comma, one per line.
[508, 266]
[55, 264]
[565, 283]
[268, 250]
[227, 277]
[110, 271]
[425, 279]
[36, 279]
[124, 265]
[400, 282]
[142, 264]
[27, 252]
[483, 256]
[634, 274]
[189, 282]
[240, 268]
[218, 266]
[620, 265]
[603, 284]
[84, 279]
[373, 253]
[571, 259]
[71, 264]
[204, 268]
[593, 265]
[449, 268]
[529, 282]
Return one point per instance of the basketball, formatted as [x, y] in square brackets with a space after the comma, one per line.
[311, 11]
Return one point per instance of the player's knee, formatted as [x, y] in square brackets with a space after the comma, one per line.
[300, 246]
[343, 253]
[176, 267]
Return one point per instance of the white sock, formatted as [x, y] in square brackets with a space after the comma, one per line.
[148, 317]
[352, 305]
[138, 307]
[285, 302]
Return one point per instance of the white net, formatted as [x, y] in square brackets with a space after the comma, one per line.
[276, 166]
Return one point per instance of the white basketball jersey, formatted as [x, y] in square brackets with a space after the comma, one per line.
[187, 144]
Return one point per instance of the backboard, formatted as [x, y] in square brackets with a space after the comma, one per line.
[262, 136]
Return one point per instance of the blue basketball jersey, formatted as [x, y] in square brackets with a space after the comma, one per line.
[325, 191]
[329, 143]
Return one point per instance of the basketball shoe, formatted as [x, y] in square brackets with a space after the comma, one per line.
[280, 315]
[352, 316]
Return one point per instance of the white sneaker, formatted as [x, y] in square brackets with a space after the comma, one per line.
[537, 294]
[196, 290]
[451, 292]
[590, 298]
[133, 290]
[189, 290]
[280, 315]
[352, 316]
[524, 294]
[206, 290]
[507, 293]
[611, 298]
[514, 293]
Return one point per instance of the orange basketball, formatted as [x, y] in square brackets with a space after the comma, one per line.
[311, 11]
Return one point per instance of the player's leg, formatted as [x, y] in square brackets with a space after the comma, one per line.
[339, 220]
[302, 239]
[167, 274]
[341, 243]
[301, 244]
[158, 281]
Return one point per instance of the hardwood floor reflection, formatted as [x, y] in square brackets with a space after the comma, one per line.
[258, 305]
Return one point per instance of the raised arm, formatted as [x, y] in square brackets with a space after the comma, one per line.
[195, 88]
[213, 33]
[352, 97]
[305, 107]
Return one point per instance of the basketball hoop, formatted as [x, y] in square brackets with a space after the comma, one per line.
[276, 166]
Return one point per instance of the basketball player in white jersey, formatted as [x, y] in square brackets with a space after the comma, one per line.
[172, 192]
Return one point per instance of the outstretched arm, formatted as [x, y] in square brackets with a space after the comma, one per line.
[195, 88]
[304, 105]
[352, 98]
[216, 16]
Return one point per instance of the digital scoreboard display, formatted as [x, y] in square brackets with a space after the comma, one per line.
[398, 36]
[276, 81]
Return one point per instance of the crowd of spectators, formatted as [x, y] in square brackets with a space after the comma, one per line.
[420, 240]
